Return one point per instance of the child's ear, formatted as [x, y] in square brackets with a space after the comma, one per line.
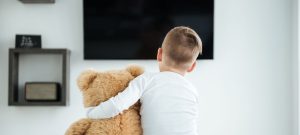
[159, 55]
[85, 79]
[192, 67]
[135, 70]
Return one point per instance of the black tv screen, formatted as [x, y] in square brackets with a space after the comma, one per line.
[134, 29]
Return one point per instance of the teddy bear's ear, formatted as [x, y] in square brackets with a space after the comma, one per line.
[85, 78]
[135, 70]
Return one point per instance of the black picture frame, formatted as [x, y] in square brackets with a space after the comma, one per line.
[28, 41]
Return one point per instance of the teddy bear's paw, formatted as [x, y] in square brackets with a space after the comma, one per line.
[79, 127]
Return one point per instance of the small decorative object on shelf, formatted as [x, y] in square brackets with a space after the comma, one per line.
[41, 91]
[37, 1]
[38, 94]
[28, 41]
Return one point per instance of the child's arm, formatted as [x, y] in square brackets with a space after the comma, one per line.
[119, 103]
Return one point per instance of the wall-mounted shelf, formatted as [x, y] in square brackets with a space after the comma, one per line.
[37, 1]
[16, 94]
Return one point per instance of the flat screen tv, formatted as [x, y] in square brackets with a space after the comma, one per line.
[134, 29]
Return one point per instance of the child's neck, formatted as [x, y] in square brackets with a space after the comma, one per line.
[166, 68]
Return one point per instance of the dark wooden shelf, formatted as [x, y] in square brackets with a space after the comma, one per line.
[14, 97]
[37, 1]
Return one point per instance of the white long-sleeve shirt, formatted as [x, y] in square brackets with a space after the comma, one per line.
[168, 104]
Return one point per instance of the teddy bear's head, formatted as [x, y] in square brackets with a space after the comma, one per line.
[100, 86]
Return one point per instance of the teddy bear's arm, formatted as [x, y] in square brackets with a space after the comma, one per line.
[79, 128]
[130, 122]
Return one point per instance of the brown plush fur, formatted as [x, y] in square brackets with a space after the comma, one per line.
[98, 87]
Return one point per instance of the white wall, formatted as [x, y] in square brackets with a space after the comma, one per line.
[246, 90]
[296, 62]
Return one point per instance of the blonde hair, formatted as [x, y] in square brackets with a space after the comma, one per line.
[181, 47]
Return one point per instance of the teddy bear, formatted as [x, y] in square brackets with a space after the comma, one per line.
[98, 87]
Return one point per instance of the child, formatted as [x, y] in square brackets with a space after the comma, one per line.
[168, 101]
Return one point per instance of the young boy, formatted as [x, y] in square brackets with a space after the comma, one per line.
[168, 101]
